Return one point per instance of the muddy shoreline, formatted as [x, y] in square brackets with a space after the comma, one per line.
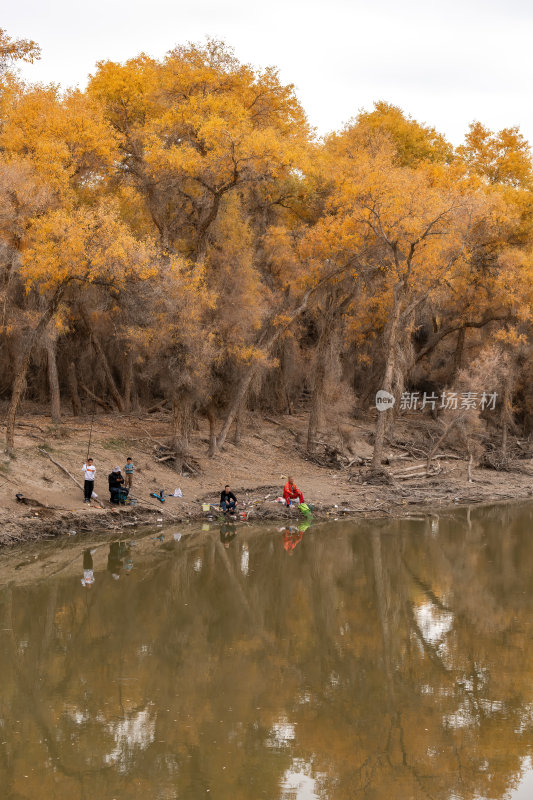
[44, 524]
[256, 471]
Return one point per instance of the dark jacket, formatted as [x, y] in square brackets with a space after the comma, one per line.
[115, 480]
[225, 498]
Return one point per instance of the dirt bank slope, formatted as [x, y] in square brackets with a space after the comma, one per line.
[256, 470]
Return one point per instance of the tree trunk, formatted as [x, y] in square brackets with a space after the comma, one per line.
[105, 404]
[41, 383]
[103, 359]
[290, 409]
[454, 421]
[265, 343]
[237, 434]
[181, 426]
[73, 389]
[201, 241]
[459, 349]
[381, 423]
[50, 343]
[235, 405]
[210, 414]
[505, 416]
[336, 304]
[128, 381]
[20, 377]
[321, 372]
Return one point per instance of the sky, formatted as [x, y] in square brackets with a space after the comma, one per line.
[444, 63]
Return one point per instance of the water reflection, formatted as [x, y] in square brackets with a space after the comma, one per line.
[88, 571]
[385, 660]
[227, 534]
[119, 557]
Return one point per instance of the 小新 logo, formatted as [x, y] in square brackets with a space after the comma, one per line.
[384, 400]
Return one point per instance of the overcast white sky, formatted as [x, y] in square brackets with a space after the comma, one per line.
[446, 63]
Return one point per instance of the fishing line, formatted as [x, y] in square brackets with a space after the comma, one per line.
[92, 416]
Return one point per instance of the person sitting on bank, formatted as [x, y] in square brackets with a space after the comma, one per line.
[116, 486]
[228, 501]
[291, 492]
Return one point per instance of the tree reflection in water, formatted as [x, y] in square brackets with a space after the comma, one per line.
[381, 660]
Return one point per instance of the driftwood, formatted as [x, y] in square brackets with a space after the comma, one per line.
[29, 425]
[285, 428]
[256, 436]
[98, 400]
[164, 446]
[61, 467]
[157, 407]
[455, 421]
[172, 457]
[24, 425]
[418, 474]
[191, 469]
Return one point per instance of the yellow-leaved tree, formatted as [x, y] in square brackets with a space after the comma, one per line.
[67, 249]
[409, 229]
[195, 127]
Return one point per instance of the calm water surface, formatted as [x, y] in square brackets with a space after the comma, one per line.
[376, 660]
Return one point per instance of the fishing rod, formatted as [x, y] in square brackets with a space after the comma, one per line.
[94, 411]
[91, 430]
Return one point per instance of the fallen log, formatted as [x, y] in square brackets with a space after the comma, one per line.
[98, 400]
[193, 470]
[412, 468]
[164, 446]
[61, 467]
[417, 474]
[285, 427]
[157, 407]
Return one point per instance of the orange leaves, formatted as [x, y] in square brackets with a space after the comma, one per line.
[88, 245]
[12, 50]
[404, 219]
[513, 282]
[127, 91]
[23, 194]
[197, 126]
[503, 157]
[66, 140]
[252, 218]
[413, 142]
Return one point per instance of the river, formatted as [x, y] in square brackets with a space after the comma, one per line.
[388, 660]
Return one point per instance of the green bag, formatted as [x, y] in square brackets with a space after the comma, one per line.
[304, 508]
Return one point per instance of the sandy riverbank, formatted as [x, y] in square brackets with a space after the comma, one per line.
[256, 470]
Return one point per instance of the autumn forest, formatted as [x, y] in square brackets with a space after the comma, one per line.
[177, 236]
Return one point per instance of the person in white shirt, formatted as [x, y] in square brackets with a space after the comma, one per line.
[89, 470]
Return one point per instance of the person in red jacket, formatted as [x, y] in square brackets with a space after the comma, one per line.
[291, 492]
[291, 537]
